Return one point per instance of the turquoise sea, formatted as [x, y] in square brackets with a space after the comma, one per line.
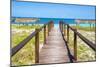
[56, 22]
[82, 25]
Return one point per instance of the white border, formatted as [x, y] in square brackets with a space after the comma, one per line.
[5, 37]
[84, 2]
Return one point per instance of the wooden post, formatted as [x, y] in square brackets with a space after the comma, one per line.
[62, 27]
[68, 33]
[75, 45]
[44, 34]
[50, 26]
[37, 47]
[64, 30]
[48, 29]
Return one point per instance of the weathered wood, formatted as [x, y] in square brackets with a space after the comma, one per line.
[62, 27]
[37, 47]
[55, 49]
[88, 42]
[49, 26]
[25, 41]
[22, 43]
[64, 30]
[75, 46]
[68, 33]
[48, 29]
[44, 34]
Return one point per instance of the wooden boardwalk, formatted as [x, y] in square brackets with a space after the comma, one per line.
[54, 51]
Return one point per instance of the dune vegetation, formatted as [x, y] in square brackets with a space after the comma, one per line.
[88, 28]
[27, 54]
[84, 52]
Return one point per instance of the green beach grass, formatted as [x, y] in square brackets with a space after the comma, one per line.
[27, 54]
[84, 28]
[84, 52]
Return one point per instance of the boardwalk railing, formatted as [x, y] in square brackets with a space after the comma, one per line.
[36, 35]
[76, 33]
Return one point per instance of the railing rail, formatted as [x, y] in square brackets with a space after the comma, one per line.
[50, 25]
[17, 48]
[88, 42]
[76, 33]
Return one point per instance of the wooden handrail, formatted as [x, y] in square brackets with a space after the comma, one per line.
[92, 45]
[66, 42]
[76, 33]
[88, 42]
[15, 49]
[22, 44]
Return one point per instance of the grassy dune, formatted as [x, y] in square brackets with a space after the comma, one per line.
[27, 54]
[84, 28]
[84, 52]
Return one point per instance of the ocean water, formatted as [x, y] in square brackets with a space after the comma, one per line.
[82, 25]
[56, 22]
[46, 20]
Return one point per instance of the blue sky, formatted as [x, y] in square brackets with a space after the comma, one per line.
[50, 10]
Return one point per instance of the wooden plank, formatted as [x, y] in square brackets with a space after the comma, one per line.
[54, 51]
